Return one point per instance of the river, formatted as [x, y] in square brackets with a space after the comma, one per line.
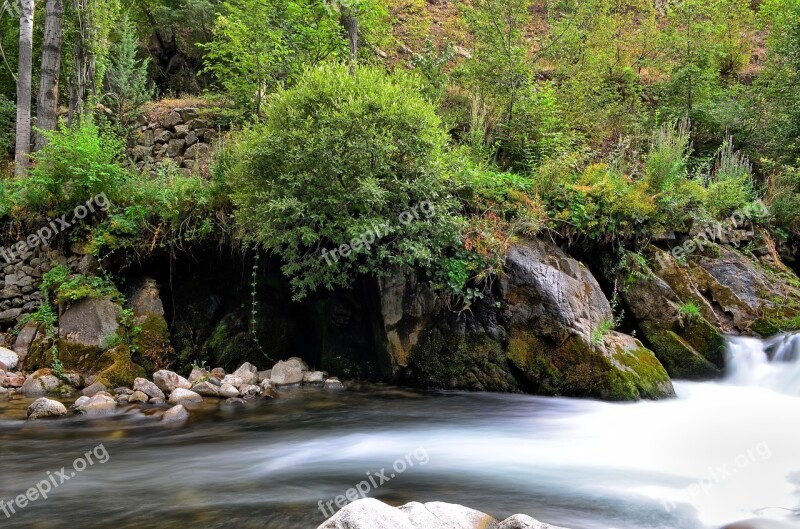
[720, 452]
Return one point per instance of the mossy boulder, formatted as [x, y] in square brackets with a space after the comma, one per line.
[150, 337]
[559, 334]
[729, 293]
[115, 368]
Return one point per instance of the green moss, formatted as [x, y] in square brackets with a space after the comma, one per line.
[117, 369]
[450, 360]
[678, 357]
[577, 369]
[705, 339]
[151, 342]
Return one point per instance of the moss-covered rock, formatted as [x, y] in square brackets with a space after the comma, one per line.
[117, 369]
[152, 343]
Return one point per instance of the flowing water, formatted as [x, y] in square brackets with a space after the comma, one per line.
[720, 452]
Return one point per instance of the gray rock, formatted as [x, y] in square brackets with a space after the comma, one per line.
[167, 381]
[250, 390]
[314, 377]
[10, 315]
[175, 147]
[286, 373]
[439, 515]
[333, 383]
[82, 401]
[370, 513]
[90, 322]
[175, 416]
[100, 404]
[264, 375]
[185, 397]
[191, 138]
[233, 380]
[197, 374]
[171, 119]
[248, 373]
[148, 388]
[218, 373]
[228, 391]
[43, 408]
[198, 151]
[9, 358]
[138, 396]
[40, 383]
[94, 389]
[25, 338]
[206, 389]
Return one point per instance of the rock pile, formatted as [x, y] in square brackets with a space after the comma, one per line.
[182, 135]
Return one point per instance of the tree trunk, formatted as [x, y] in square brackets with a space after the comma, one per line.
[349, 22]
[23, 141]
[47, 103]
[83, 62]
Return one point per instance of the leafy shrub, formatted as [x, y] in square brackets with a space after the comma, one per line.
[731, 184]
[77, 164]
[334, 157]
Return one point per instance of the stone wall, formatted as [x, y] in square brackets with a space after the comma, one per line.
[186, 136]
[21, 278]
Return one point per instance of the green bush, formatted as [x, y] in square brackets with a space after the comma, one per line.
[334, 157]
[730, 187]
[77, 164]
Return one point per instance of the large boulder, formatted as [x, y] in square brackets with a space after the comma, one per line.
[43, 408]
[42, 382]
[90, 322]
[25, 338]
[370, 513]
[559, 331]
[684, 306]
[288, 372]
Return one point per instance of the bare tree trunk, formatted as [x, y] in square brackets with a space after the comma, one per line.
[47, 103]
[84, 64]
[349, 22]
[23, 141]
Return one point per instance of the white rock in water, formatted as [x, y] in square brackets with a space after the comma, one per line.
[185, 397]
[100, 404]
[167, 381]
[42, 408]
[333, 383]
[313, 377]
[368, 513]
[9, 358]
[175, 416]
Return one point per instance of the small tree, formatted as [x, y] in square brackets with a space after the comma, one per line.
[126, 78]
[334, 159]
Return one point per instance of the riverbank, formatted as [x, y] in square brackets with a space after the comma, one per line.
[573, 463]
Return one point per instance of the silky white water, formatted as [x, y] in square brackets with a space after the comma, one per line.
[720, 452]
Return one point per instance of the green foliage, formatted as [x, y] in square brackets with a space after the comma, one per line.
[335, 157]
[8, 115]
[59, 286]
[77, 164]
[601, 331]
[126, 77]
[260, 46]
[731, 184]
[690, 310]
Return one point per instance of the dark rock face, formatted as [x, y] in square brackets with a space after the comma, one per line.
[683, 309]
[541, 331]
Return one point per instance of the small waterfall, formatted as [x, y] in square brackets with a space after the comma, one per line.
[771, 363]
